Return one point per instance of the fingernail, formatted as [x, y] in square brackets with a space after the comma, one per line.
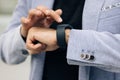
[60, 20]
[47, 12]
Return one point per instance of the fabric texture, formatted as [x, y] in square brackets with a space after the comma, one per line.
[56, 67]
[99, 37]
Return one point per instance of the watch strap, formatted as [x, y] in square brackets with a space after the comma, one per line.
[61, 41]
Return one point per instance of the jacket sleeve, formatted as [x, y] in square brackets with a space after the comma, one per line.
[92, 48]
[12, 46]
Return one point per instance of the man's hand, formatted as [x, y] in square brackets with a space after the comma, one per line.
[41, 16]
[38, 36]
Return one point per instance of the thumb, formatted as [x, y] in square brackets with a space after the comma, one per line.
[49, 20]
[24, 21]
[25, 27]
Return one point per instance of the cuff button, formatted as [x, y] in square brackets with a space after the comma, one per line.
[83, 56]
[90, 57]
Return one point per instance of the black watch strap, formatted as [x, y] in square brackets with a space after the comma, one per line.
[61, 41]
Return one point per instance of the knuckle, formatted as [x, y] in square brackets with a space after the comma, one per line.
[35, 48]
[22, 19]
[27, 46]
[31, 11]
[38, 7]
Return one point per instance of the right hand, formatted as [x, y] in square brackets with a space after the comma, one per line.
[44, 36]
[41, 16]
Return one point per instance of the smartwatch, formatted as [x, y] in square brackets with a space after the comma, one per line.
[61, 41]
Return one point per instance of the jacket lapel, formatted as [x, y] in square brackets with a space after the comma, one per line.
[84, 72]
[90, 20]
[91, 14]
[37, 66]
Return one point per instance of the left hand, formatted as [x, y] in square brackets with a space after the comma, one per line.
[40, 16]
[45, 36]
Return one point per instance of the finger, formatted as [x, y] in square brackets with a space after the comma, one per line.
[34, 45]
[31, 46]
[51, 13]
[44, 46]
[42, 8]
[37, 50]
[24, 20]
[35, 12]
[34, 16]
[34, 50]
[31, 13]
[58, 11]
[50, 20]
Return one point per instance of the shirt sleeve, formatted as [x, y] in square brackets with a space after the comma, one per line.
[92, 48]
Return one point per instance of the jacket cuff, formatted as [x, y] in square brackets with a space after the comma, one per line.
[83, 44]
[79, 46]
[21, 42]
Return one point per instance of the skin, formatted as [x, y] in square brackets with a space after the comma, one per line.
[46, 36]
[39, 17]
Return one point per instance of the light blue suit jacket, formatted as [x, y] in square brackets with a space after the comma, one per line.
[100, 37]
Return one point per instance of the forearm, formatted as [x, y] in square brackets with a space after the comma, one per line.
[67, 33]
[12, 47]
[104, 46]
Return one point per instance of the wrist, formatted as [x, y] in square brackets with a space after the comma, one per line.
[22, 33]
[67, 33]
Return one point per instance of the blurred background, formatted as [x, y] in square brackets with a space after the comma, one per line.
[11, 72]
